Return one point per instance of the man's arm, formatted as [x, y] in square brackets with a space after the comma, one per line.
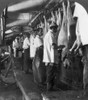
[54, 45]
[28, 43]
[77, 42]
[74, 46]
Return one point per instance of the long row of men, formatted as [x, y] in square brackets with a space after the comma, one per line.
[56, 38]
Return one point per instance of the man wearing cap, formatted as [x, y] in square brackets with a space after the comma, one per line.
[49, 57]
[26, 45]
[38, 41]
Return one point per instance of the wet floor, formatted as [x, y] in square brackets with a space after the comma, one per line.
[8, 88]
[9, 92]
[12, 92]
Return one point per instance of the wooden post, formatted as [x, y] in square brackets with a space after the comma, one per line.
[4, 19]
[2, 30]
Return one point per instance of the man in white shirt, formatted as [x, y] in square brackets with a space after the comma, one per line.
[26, 45]
[32, 47]
[38, 41]
[38, 68]
[15, 46]
[49, 57]
[82, 37]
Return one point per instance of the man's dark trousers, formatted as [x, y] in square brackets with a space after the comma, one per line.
[50, 73]
[26, 60]
[85, 69]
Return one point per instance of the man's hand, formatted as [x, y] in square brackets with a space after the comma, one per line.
[51, 64]
[76, 46]
[54, 46]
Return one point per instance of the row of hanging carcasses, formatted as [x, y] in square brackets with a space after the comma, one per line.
[70, 70]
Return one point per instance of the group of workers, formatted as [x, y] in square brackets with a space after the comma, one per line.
[50, 48]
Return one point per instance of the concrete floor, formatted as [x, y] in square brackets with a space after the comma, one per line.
[12, 92]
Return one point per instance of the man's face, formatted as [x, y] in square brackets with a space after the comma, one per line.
[54, 29]
[40, 32]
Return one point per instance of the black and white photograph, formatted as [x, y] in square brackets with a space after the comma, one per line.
[43, 49]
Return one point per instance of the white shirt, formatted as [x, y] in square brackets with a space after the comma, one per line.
[38, 41]
[7, 53]
[15, 44]
[82, 22]
[48, 54]
[32, 47]
[26, 43]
